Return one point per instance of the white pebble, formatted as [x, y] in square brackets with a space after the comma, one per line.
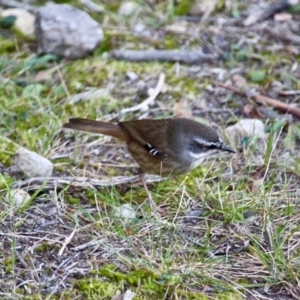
[127, 8]
[125, 211]
[24, 20]
[17, 197]
[32, 164]
[247, 127]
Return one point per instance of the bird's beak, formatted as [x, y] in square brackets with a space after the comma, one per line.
[226, 148]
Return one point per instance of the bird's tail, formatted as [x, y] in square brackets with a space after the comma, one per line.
[94, 126]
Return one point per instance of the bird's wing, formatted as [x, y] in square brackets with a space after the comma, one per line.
[151, 134]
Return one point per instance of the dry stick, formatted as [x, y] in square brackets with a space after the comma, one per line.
[269, 11]
[78, 183]
[67, 241]
[289, 93]
[282, 34]
[287, 108]
[187, 57]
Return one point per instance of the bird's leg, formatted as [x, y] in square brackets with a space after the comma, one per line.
[152, 203]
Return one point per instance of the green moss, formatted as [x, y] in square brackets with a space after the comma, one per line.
[145, 283]
[97, 288]
[105, 46]
[184, 7]
[140, 277]
[7, 46]
[69, 199]
[184, 87]
[44, 247]
[111, 5]
[5, 181]
[171, 42]
[9, 265]
[48, 271]
[191, 295]
[7, 150]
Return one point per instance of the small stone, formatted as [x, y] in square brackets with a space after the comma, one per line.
[245, 128]
[24, 20]
[202, 7]
[125, 211]
[17, 197]
[32, 164]
[132, 76]
[141, 29]
[127, 8]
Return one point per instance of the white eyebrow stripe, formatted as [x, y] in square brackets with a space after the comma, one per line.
[207, 143]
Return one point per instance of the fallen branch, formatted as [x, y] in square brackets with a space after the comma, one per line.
[281, 106]
[187, 57]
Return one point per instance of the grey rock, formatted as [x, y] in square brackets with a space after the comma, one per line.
[66, 31]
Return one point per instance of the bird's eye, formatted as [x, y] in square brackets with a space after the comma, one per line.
[195, 147]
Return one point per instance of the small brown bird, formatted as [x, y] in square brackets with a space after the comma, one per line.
[164, 147]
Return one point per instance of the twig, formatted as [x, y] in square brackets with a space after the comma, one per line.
[66, 242]
[187, 57]
[289, 93]
[284, 107]
[150, 100]
[78, 183]
[269, 11]
[86, 245]
[283, 34]
[213, 110]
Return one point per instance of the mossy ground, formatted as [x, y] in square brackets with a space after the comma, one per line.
[68, 244]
